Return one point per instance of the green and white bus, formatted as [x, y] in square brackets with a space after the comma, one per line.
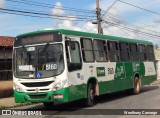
[63, 65]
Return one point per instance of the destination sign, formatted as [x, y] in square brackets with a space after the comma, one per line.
[38, 39]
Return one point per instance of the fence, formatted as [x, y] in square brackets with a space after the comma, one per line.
[5, 69]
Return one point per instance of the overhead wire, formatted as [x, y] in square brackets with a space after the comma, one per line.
[38, 4]
[140, 7]
[130, 23]
[110, 7]
[40, 14]
[31, 10]
[131, 29]
[117, 19]
[43, 14]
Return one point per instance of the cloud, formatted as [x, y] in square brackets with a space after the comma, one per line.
[157, 21]
[58, 9]
[1, 3]
[112, 17]
[67, 24]
[89, 27]
[63, 20]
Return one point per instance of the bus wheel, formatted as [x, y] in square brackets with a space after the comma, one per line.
[90, 95]
[48, 104]
[137, 86]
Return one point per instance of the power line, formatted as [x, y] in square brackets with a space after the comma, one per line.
[21, 14]
[139, 7]
[38, 4]
[55, 5]
[110, 7]
[15, 8]
[24, 14]
[131, 29]
[131, 20]
[43, 14]
[138, 26]
[136, 7]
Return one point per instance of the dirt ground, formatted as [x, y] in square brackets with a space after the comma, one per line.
[6, 88]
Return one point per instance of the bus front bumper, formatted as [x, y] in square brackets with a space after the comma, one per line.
[37, 97]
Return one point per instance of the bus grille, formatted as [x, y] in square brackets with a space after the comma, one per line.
[37, 84]
[41, 96]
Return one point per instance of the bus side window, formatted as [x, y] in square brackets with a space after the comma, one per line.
[113, 50]
[134, 52]
[142, 54]
[100, 50]
[73, 55]
[150, 53]
[87, 50]
[124, 51]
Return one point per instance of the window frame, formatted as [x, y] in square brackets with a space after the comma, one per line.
[68, 56]
[142, 53]
[105, 51]
[117, 51]
[133, 53]
[150, 53]
[83, 49]
[126, 52]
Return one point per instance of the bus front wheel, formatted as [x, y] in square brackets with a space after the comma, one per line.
[90, 95]
[137, 85]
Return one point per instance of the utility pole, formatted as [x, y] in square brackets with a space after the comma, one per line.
[99, 20]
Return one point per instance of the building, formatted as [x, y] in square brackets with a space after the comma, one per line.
[6, 46]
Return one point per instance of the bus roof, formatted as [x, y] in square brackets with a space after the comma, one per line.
[89, 35]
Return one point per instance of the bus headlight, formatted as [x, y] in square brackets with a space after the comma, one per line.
[59, 85]
[17, 88]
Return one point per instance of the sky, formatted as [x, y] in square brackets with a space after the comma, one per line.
[79, 15]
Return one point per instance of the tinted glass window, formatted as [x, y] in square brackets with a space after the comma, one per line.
[150, 53]
[113, 49]
[87, 50]
[142, 54]
[134, 52]
[73, 55]
[100, 50]
[124, 51]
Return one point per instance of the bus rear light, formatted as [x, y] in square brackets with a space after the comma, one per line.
[58, 96]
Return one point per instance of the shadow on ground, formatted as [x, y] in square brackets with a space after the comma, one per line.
[77, 107]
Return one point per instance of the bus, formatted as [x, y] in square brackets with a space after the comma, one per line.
[51, 66]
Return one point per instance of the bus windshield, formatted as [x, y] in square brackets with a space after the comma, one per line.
[38, 61]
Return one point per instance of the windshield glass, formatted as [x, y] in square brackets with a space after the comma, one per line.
[38, 61]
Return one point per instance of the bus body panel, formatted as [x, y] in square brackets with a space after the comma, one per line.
[110, 76]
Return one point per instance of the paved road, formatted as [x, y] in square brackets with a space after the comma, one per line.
[148, 99]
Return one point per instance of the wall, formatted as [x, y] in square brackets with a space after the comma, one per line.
[5, 63]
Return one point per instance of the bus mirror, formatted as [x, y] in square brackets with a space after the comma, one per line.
[72, 44]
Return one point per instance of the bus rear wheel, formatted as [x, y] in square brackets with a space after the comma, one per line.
[90, 95]
[137, 86]
[48, 104]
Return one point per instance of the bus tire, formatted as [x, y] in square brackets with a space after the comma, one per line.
[48, 104]
[137, 86]
[90, 95]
